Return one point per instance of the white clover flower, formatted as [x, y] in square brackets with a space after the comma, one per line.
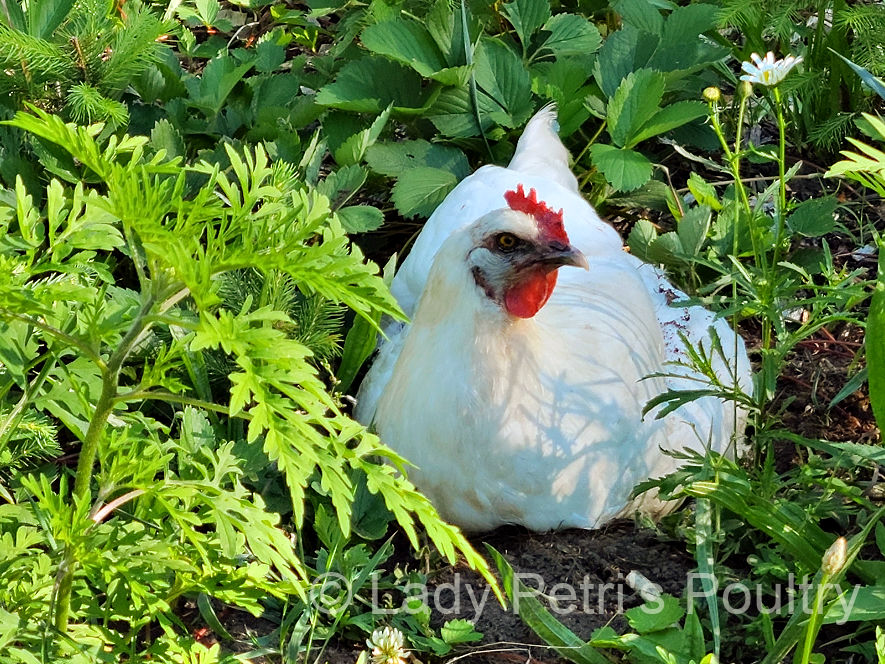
[387, 646]
[767, 71]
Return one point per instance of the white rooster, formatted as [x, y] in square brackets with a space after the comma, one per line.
[518, 387]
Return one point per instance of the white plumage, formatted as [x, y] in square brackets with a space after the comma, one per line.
[537, 420]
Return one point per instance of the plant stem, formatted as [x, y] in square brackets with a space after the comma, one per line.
[782, 189]
[110, 375]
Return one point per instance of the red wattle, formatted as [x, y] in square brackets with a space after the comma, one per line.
[526, 298]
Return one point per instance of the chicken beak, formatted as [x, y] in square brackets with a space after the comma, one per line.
[556, 257]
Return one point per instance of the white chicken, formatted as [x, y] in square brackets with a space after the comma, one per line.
[517, 389]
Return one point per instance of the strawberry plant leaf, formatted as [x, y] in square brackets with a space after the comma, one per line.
[814, 217]
[417, 192]
[505, 84]
[624, 169]
[526, 16]
[633, 104]
[571, 34]
[405, 41]
[360, 218]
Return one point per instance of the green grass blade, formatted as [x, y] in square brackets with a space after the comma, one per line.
[564, 641]
[706, 566]
[875, 343]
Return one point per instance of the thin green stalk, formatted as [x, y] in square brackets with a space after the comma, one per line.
[782, 189]
[110, 375]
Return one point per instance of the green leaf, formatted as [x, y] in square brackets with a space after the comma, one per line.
[165, 136]
[361, 339]
[655, 616]
[506, 84]
[420, 190]
[526, 16]
[44, 16]
[875, 343]
[353, 149]
[371, 84]
[692, 229]
[634, 103]
[218, 80]
[640, 239]
[624, 169]
[641, 14]
[405, 41]
[459, 631]
[618, 56]
[667, 250]
[875, 84]
[814, 217]
[703, 192]
[858, 603]
[669, 117]
[269, 56]
[392, 159]
[360, 218]
[571, 35]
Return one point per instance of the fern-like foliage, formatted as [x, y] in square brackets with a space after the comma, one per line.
[76, 57]
[149, 517]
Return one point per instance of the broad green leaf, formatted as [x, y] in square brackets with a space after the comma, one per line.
[269, 56]
[622, 53]
[667, 250]
[417, 192]
[624, 169]
[165, 136]
[44, 16]
[684, 24]
[392, 159]
[692, 229]
[640, 239]
[669, 117]
[875, 343]
[16, 17]
[814, 217]
[342, 183]
[703, 192]
[405, 41]
[634, 103]
[360, 218]
[655, 616]
[526, 16]
[371, 84]
[353, 149]
[218, 80]
[640, 14]
[857, 603]
[503, 79]
[571, 35]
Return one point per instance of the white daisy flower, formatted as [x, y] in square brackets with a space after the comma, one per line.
[387, 646]
[767, 71]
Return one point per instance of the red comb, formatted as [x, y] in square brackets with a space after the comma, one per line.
[549, 222]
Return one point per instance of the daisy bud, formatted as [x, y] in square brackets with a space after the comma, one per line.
[834, 559]
[712, 94]
[745, 89]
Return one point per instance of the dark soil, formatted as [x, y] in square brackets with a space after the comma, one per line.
[580, 574]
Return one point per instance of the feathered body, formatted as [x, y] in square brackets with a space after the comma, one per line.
[513, 414]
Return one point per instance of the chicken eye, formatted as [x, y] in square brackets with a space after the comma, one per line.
[507, 241]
